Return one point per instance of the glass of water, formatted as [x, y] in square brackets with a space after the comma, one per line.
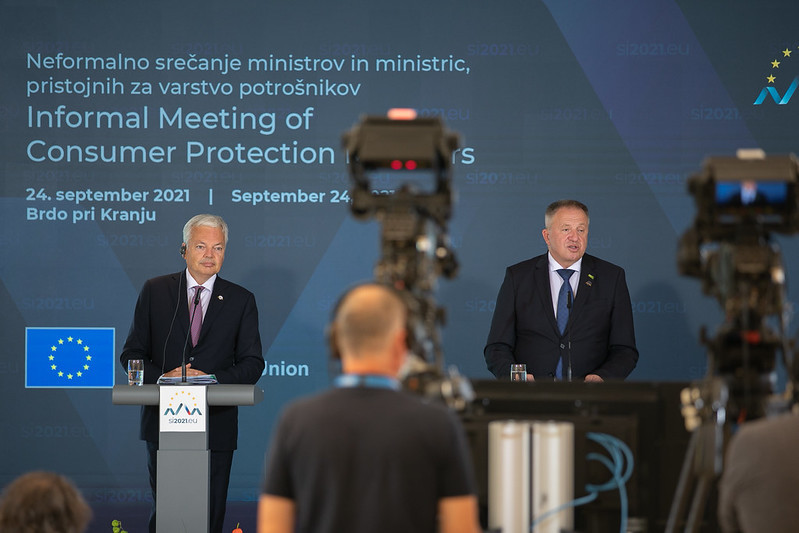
[518, 372]
[135, 372]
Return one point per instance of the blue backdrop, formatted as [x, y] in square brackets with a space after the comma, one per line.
[122, 120]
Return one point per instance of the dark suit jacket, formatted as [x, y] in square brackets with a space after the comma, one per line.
[600, 328]
[229, 345]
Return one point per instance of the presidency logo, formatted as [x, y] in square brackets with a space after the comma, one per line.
[69, 358]
[183, 403]
[182, 408]
[776, 79]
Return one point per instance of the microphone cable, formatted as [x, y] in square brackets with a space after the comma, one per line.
[569, 303]
[620, 465]
[172, 323]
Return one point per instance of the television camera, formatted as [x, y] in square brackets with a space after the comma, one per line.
[741, 202]
[400, 168]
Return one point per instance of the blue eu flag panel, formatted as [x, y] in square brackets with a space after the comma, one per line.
[69, 358]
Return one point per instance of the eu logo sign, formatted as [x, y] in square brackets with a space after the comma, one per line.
[771, 91]
[69, 358]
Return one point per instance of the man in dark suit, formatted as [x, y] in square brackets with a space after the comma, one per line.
[227, 344]
[581, 328]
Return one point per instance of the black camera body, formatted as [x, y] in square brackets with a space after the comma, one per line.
[401, 176]
[741, 201]
[735, 194]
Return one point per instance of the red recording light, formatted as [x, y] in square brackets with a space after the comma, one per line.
[751, 336]
[396, 164]
[410, 164]
[401, 113]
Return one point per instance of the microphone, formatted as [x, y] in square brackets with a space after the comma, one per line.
[172, 322]
[569, 338]
[186, 342]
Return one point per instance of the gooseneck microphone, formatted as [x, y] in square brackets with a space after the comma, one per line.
[569, 338]
[172, 322]
[194, 307]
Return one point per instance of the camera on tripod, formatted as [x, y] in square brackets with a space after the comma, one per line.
[401, 167]
[749, 189]
[741, 201]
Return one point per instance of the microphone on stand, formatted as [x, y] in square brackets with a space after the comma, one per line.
[569, 338]
[172, 322]
[186, 342]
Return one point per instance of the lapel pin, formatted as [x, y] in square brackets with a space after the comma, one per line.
[220, 297]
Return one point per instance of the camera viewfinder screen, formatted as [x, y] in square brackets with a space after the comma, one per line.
[752, 193]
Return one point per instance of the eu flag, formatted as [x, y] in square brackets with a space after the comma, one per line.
[69, 358]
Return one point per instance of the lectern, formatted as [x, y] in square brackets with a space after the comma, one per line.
[183, 456]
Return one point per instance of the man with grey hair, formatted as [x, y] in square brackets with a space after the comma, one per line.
[565, 314]
[366, 456]
[215, 323]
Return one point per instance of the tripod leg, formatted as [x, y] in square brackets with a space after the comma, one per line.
[698, 506]
[682, 493]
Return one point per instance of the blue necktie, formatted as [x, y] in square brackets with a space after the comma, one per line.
[565, 296]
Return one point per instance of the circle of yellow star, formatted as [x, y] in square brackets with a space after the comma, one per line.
[69, 375]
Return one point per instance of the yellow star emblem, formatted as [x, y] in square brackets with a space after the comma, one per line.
[52, 367]
[771, 79]
[786, 53]
[775, 64]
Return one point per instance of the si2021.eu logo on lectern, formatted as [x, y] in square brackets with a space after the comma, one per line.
[183, 408]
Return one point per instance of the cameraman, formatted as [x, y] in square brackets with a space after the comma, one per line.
[366, 456]
[756, 491]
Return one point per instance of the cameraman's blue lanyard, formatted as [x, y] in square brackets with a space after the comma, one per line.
[366, 380]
